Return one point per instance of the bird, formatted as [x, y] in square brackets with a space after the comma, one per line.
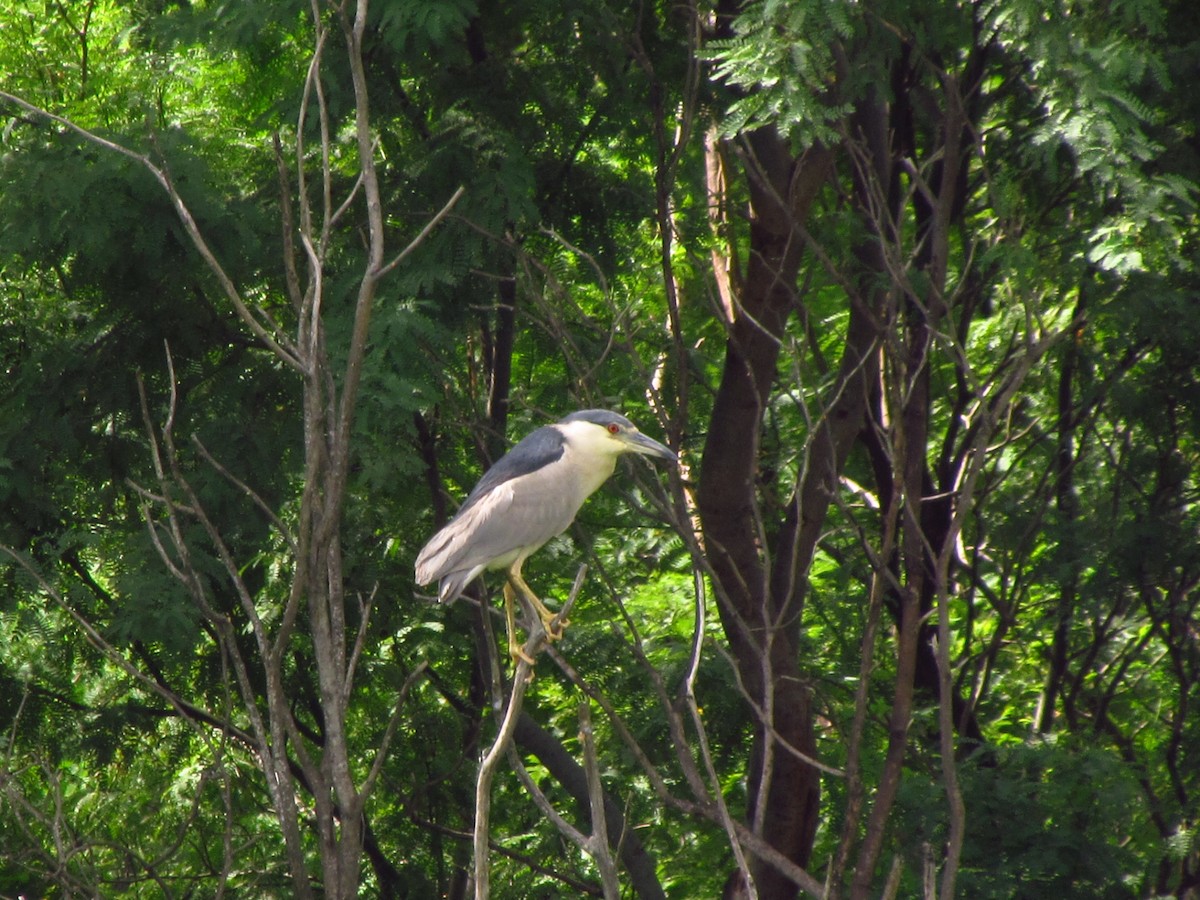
[530, 495]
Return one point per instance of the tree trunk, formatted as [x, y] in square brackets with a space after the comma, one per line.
[760, 600]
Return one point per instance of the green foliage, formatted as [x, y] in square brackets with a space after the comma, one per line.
[780, 62]
[1038, 814]
[416, 30]
[1079, 201]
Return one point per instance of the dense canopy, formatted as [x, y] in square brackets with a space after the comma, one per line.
[912, 289]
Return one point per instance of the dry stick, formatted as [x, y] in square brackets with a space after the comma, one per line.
[788, 747]
[714, 810]
[856, 789]
[184, 571]
[542, 802]
[278, 342]
[653, 776]
[702, 737]
[703, 808]
[902, 450]
[390, 732]
[97, 640]
[255, 497]
[280, 726]
[487, 767]
[110, 652]
[597, 845]
[360, 333]
[671, 709]
[892, 886]
[989, 410]
[581, 888]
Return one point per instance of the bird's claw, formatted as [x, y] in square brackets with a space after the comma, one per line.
[555, 626]
[518, 654]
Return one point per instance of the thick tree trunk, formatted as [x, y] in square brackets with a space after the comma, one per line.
[760, 587]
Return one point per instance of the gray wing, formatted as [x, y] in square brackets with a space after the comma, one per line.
[535, 451]
[512, 518]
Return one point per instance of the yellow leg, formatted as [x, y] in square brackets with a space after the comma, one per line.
[514, 646]
[554, 629]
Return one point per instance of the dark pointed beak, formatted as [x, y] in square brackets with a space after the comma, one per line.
[639, 443]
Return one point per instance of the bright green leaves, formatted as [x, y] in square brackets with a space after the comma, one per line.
[1078, 195]
[1090, 80]
[781, 64]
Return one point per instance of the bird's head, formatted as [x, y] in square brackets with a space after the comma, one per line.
[607, 433]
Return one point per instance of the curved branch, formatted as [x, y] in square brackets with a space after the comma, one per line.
[278, 343]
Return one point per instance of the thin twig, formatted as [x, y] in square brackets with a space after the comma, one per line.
[487, 766]
[718, 793]
[597, 845]
[278, 343]
[254, 496]
[424, 232]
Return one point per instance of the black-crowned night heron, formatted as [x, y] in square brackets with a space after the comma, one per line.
[528, 497]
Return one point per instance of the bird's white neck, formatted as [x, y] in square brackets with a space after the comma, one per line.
[593, 452]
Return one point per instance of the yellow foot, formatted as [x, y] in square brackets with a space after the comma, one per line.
[555, 626]
[517, 652]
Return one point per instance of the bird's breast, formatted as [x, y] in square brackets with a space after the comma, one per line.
[588, 471]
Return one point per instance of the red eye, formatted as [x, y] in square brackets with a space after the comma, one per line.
[614, 428]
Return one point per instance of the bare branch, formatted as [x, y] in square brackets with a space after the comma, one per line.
[368, 783]
[254, 496]
[597, 845]
[425, 232]
[487, 767]
[277, 342]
